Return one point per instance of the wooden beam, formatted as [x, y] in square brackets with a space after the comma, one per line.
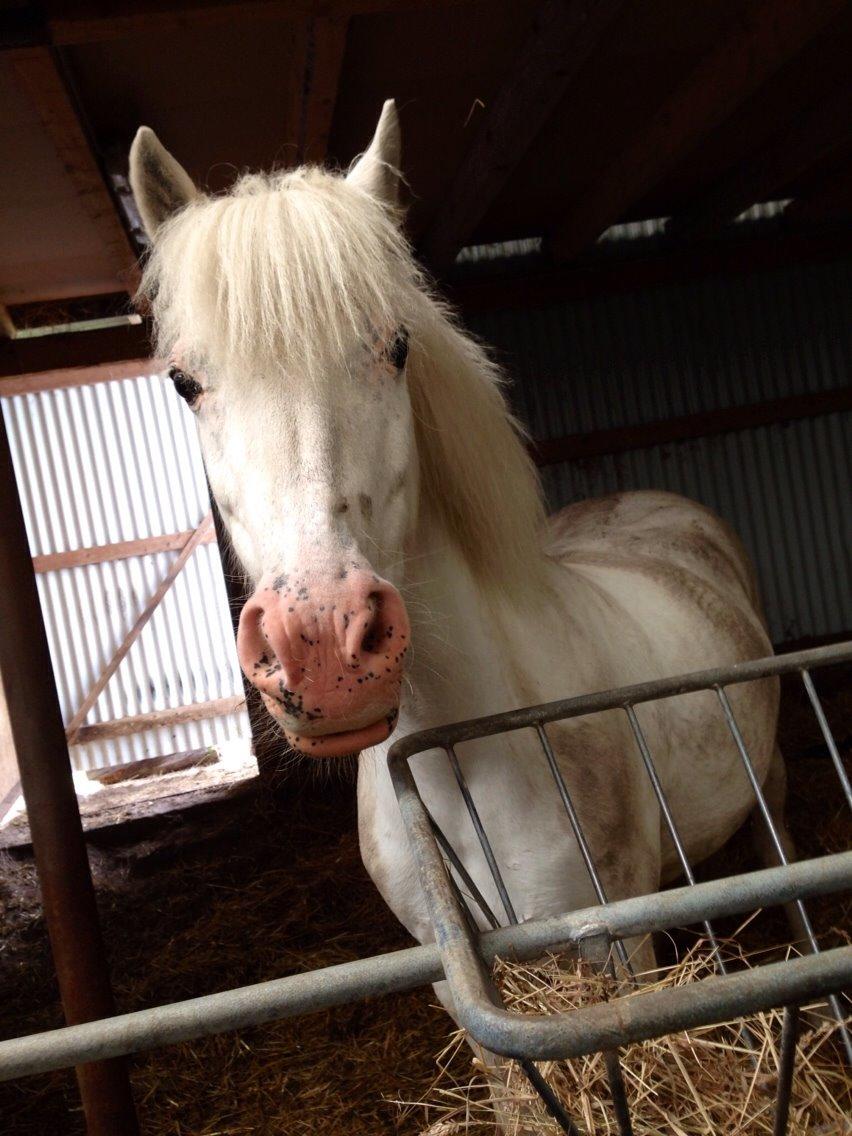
[121, 550]
[564, 35]
[160, 719]
[688, 427]
[154, 766]
[74, 349]
[797, 148]
[733, 70]
[325, 45]
[198, 536]
[65, 377]
[152, 17]
[745, 250]
[37, 71]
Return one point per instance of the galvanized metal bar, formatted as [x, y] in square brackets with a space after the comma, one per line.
[786, 1068]
[59, 848]
[595, 948]
[668, 817]
[551, 1101]
[769, 821]
[534, 1075]
[828, 736]
[464, 875]
[442, 736]
[415, 966]
[579, 835]
[482, 836]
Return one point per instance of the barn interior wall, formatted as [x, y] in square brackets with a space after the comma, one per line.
[100, 464]
[619, 360]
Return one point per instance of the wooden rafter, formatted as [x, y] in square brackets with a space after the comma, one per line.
[324, 46]
[688, 427]
[64, 377]
[798, 147]
[153, 17]
[732, 71]
[563, 37]
[37, 71]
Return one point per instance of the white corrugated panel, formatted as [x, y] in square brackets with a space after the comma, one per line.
[110, 462]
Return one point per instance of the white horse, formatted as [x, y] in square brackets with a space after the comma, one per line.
[382, 503]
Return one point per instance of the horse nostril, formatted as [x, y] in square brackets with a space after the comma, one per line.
[373, 632]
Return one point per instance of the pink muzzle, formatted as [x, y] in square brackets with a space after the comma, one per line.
[327, 657]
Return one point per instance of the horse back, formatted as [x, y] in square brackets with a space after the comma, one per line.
[651, 527]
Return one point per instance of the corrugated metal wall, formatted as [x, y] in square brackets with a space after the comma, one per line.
[111, 462]
[590, 365]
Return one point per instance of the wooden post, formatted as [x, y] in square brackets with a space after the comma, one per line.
[38, 736]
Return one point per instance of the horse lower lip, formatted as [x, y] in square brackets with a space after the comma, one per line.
[343, 743]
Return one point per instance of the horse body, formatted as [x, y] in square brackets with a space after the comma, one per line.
[389, 520]
[642, 585]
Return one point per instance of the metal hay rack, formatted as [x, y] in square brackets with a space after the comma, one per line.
[452, 895]
[462, 955]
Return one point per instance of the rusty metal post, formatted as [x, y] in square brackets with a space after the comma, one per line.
[59, 847]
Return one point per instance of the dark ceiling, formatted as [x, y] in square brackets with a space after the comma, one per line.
[520, 119]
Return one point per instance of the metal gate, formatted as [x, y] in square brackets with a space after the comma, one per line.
[462, 955]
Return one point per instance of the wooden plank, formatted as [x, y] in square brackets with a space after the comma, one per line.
[121, 550]
[622, 439]
[157, 719]
[37, 71]
[763, 40]
[564, 35]
[64, 377]
[799, 146]
[154, 766]
[73, 728]
[325, 45]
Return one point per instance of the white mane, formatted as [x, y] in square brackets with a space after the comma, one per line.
[290, 270]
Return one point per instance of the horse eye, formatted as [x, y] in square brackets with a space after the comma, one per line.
[398, 350]
[185, 385]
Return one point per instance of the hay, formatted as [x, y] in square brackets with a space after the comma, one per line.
[700, 1083]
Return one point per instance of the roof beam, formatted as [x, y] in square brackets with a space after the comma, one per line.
[39, 75]
[804, 142]
[78, 23]
[564, 35]
[733, 70]
[829, 200]
[325, 45]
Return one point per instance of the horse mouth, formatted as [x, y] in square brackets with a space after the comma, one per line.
[344, 742]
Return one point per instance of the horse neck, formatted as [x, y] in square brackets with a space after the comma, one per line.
[460, 650]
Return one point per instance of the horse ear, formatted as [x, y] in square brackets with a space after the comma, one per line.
[160, 184]
[377, 170]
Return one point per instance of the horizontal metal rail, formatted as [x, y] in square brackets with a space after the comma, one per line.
[416, 966]
[619, 698]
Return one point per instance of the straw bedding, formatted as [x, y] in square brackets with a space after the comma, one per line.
[701, 1083]
[273, 884]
